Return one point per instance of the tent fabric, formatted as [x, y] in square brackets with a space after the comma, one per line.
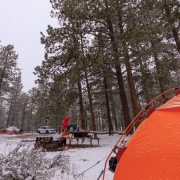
[10, 130]
[13, 128]
[172, 103]
[5, 131]
[153, 151]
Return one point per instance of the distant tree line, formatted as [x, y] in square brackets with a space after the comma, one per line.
[16, 107]
[103, 64]
[107, 59]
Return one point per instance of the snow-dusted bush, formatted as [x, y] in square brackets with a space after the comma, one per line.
[25, 163]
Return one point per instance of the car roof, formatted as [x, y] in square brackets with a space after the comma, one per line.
[46, 126]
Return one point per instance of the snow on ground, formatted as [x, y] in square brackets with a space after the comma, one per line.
[86, 163]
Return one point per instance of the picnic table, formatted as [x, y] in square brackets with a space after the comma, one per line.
[83, 136]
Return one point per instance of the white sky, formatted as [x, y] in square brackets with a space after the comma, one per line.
[21, 22]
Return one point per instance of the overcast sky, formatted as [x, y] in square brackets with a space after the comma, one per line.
[21, 22]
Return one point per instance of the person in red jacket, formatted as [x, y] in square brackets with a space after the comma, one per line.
[65, 123]
[64, 128]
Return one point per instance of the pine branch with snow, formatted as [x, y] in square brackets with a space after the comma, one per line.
[29, 164]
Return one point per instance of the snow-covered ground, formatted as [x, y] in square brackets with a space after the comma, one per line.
[85, 163]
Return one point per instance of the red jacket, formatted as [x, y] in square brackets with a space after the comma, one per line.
[65, 123]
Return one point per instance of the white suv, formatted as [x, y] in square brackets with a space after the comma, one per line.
[46, 129]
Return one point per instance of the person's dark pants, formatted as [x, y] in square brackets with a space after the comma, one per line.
[63, 142]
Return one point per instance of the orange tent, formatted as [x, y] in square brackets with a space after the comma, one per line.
[11, 130]
[153, 151]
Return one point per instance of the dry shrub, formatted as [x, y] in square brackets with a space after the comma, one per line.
[25, 163]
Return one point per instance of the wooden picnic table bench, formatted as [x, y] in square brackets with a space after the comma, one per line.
[82, 137]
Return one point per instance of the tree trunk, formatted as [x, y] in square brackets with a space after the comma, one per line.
[115, 120]
[9, 115]
[23, 118]
[90, 102]
[12, 121]
[81, 106]
[125, 108]
[3, 71]
[110, 127]
[30, 120]
[159, 70]
[146, 91]
[113, 110]
[129, 71]
[173, 29]
[160, 78]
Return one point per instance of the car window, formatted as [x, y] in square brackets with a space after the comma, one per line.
[48, 127]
